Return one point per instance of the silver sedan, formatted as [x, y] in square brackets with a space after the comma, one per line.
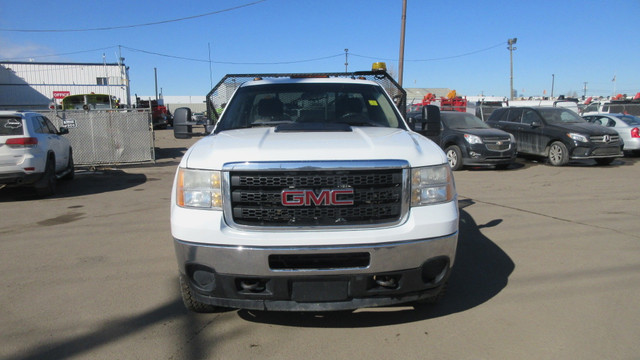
[628, 126]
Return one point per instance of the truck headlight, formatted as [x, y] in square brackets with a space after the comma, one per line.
[472, 139]
[578, 137]
[432, 185]
[199, 189]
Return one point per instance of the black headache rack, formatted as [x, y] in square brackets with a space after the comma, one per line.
[218, 97]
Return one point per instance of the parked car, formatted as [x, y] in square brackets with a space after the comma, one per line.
[199, 118]
[33, 152]
[558, 134]
[467, 140]
[414, 113]
[627, 126]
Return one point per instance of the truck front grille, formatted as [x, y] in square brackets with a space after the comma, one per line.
[374, 196]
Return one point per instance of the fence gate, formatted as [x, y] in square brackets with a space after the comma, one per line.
[107, 137]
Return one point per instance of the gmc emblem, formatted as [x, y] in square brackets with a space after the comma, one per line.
[309, 197]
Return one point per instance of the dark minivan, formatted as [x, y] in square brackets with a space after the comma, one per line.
[558, 134]
[467, 140]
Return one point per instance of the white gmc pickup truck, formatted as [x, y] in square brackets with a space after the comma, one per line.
[312, 194]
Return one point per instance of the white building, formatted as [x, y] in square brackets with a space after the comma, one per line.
[34, 85]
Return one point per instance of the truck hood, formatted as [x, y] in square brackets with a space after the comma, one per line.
[266, 144]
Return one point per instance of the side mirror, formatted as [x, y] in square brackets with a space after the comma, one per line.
[535, 124]
[430, 121]
[182, 126]
[63, 130]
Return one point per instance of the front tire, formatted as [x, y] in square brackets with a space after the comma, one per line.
[558, 154]
[189, 300]
[454, 157]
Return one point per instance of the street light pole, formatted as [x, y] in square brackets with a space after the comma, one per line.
[511, 42]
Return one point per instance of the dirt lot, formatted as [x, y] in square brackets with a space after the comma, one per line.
[548, 267]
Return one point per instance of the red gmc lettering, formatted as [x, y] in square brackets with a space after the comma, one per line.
[308, 197]
[334, 197]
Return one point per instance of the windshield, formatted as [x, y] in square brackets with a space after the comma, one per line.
[560, 116]
[460, 120]
[276, 104]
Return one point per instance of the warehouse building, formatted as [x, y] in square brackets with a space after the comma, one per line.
[37, 85]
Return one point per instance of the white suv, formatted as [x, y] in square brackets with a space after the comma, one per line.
[33, 152]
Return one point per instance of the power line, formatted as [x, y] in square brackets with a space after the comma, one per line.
[254, 63]
[62, 54]
[433, 59]
[308, 60]
[230, 62]
[134, 26]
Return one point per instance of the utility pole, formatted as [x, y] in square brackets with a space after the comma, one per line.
[553, 81]
[401, 57]
[511, 48]
[210, 73]
[585, 89]
[155, 73]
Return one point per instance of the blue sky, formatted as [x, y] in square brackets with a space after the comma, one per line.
[460, 45]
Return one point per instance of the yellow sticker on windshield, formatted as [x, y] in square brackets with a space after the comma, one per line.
[373, 103]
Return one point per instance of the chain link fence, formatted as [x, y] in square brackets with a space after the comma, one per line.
[107, 137]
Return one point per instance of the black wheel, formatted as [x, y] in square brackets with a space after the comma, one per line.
[605, 161]
[70, 168]
[190, 302]
[558, 154]
[454, 157]
[47, 185]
